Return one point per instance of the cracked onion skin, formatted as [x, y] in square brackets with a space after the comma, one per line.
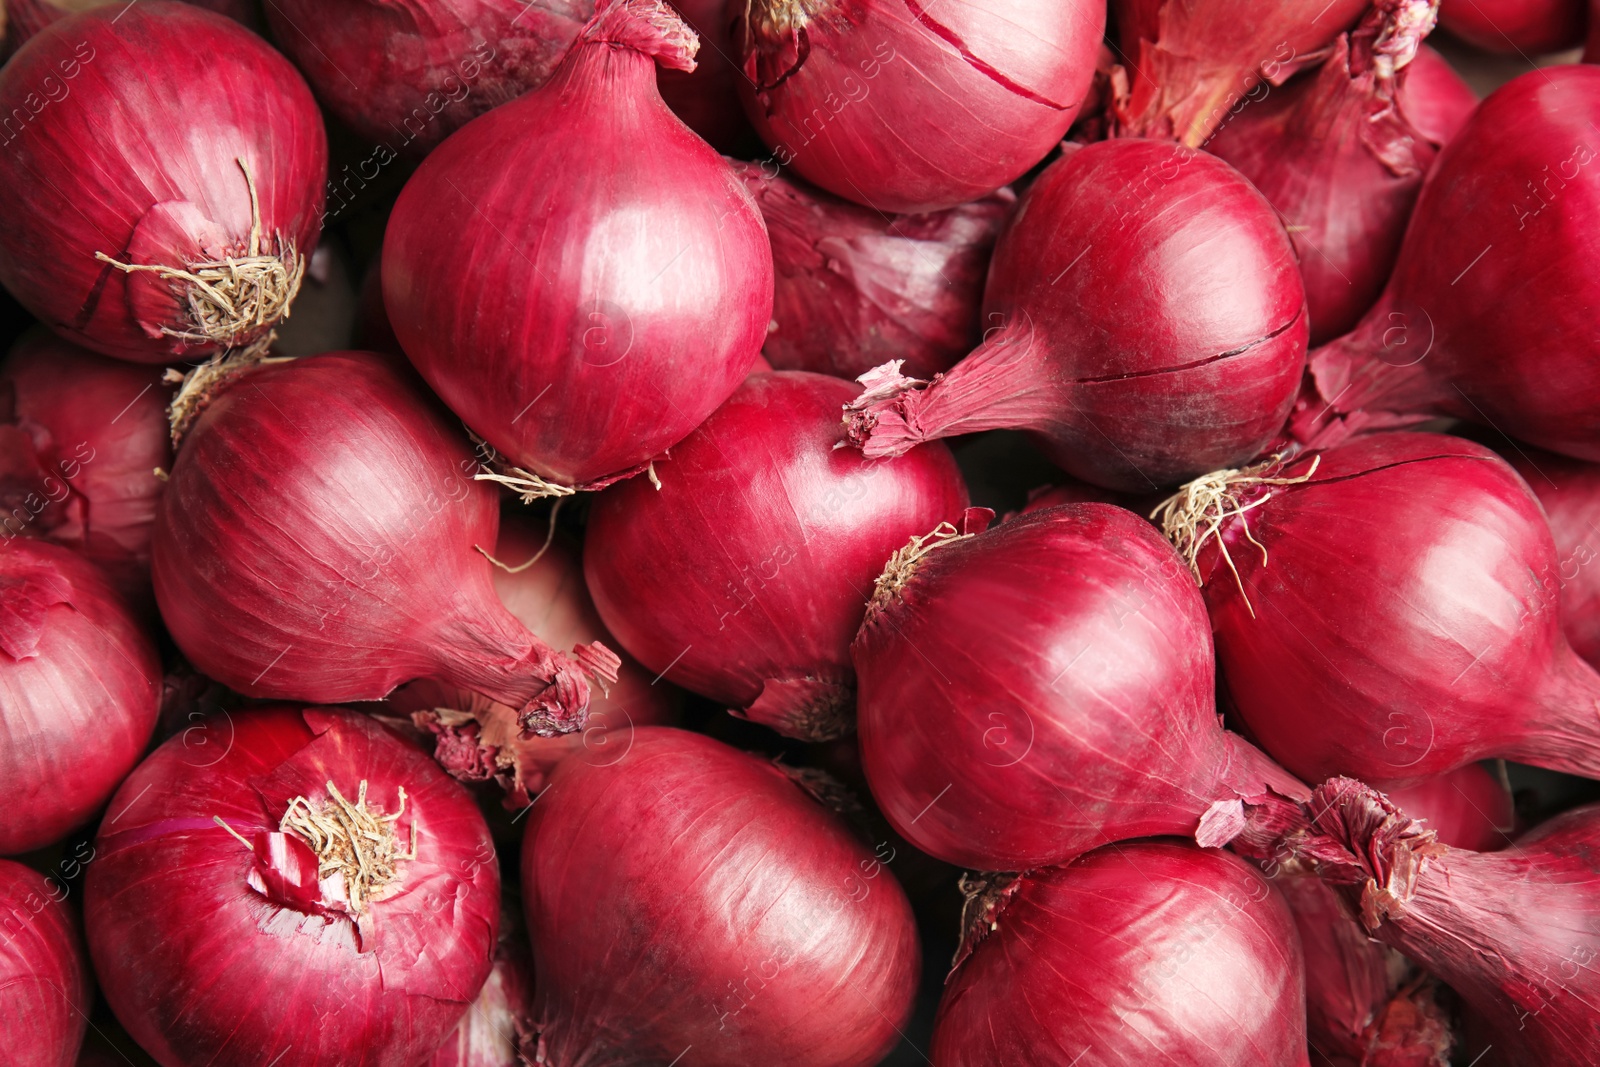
[45, 990]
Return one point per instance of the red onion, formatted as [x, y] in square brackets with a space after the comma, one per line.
[1436, 99]
[1522, 27]
[217, 936]
[774, 537]
[707, 98]
[80, 687]
[914, 107]
[1496, 260]
[691, 895]
[1146, 322]
[856, 289]
[498, 1030]
[1134, 953]
[648, 315]
[1188, 63]
[45, 995]
[190, 232]
[316, 542]
[408, 75]
[1515, 933]
[21, 19]
[1390, 609]
[1046, 687]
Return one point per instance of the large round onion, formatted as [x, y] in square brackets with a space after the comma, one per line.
[45, 995]
[693, 896]
[1436, 99]
[774, 537]
[1516, 27]
[191, 229]
[216, 939]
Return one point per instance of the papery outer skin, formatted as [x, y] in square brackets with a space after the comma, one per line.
[24, 18]
[707, 98]
[201, 968]
[80, 687]
[316, 542]
[498, 1030]
[1189, 62]
[1517, 27]
[753, 563]
[1066, 698]
[45, 992]
[1406, 618]
[99, 429]
[1133, 954]
[167, 97]
[1436, 99]
[581, 312]
[407, 75]
[855, 289]
[1145, 323]
[911, 107]
[1569, 491]
[691, 894]
[1484, 272]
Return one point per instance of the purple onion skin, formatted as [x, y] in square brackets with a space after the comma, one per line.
[45, 991]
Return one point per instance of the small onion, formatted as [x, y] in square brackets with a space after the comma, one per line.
[1516, 27]
[45, 993]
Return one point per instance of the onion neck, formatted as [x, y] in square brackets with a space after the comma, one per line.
[1562, 731]
[807, 708]
[1255, 804]
[648, 27]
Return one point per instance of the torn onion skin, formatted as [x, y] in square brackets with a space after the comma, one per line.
[210, 948]
[1144, 322]
[778, 535]
[693, 895]
[1038, 690]
[167, 135]
[905, 106]
[1154, 950]
[1569, 491]
[1516, 27]
[45, 991]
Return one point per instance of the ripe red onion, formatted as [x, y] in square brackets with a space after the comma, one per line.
[1146, 322]
[80, 687]
[1496, 260]
[1436, 99]
[707, 98]
[217, 936]
[191, 230]
[1390, 609]
[914, 107]
[316, 542]
[774, 536]
[1046, 687]
[45, 995]
[635, 286]
[498, 1030]
[1187, 64]
[407, 76]
[1515, 933]
[855, 289]
[1134, 953]
[1520, 27]
[691, 895]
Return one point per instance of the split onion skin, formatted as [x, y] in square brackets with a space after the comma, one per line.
[1569, 491]
[691, 894]
[167, 98]
[80, 688]
[1516, 27]
[45, 991]
[775, 537]
[1194, 961]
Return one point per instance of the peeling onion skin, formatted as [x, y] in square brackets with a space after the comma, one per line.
[1569, 491]
[202, 968]
[45, 992]
[1193, 958]
[635, 289]
[165, 128]
[760, 487]
[1406, 618]
[642, 944]
[856, 95]
[1043, 688]
[1516, 27]
[80, 689]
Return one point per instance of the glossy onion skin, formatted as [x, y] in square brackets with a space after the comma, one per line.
[80, 687]
[1046, 687]
[1470, 807]
[1516, 27]
[167, 97]
[1406, 618]
[904, 108]
[634, 289]
[778, 537]
[691, 894]
[45, 992]
[1569, 491]
[1149, 952]
[202, 968]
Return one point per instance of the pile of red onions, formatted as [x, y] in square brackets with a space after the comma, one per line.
[1569, 492]
[316, 867]
[1519, 27]
[191, 229]
[911, 107]
[45, 993]
[1146, 322]
[319, 541]
[776, 536]
[692, 896]
[580, 302]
